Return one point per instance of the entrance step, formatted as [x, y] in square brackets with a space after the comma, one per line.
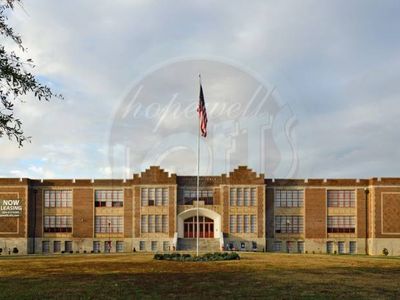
[205, 245]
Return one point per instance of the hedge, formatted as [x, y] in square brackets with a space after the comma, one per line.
[205, 257]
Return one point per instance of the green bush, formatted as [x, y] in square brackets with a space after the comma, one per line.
[205, 257]
[385, 252]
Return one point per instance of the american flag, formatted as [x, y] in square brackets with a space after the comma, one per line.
[202, 113]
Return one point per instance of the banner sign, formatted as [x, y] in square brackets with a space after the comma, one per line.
[10, 208]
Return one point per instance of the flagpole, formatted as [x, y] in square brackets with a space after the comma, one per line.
[198, 180]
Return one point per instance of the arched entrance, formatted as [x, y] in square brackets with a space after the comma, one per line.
[206, 227]
[210, 223]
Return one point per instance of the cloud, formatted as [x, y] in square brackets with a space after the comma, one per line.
[334, 64]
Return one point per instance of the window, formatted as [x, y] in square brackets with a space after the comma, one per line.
[144, 197]
[277, 246]
[166, 246]
[189, 195]
[246, 196]
[165, 223]
[341, 248]
[240, 223]
[253, 197]
[45, 246]
[109, 198]
[119, 246]
[242, 246]
[57, 223]
[232, 197]
[246, 223]
[109, 224]
[341, 224]
[96, 246]
[329, 247]
[68, 246]
[154, 223]
[289, 246]
[143, 226]
[165, 196]
[300, 247]
[153, 245]
[158, 197]
[151, 225]
[288, 224]
[254, 246]
[341, 198]
[158, 223]
[353, 247]
[107, 246]
[253, 223]
[154, 196]
[232, 223]
[239, 197]
[57, 246]
[142, 245]
[243, 196]
[289, 198]
[57, 198]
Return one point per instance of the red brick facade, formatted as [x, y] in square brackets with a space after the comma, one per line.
[308, 221]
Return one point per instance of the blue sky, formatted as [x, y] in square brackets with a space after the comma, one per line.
[335, 64]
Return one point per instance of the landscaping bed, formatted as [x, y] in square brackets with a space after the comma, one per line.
[216, 256]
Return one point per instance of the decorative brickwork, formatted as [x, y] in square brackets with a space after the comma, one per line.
[243, 175]
[154, 175]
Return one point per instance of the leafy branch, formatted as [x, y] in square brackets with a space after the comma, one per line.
[15, 80]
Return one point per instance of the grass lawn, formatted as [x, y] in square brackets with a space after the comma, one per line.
[256, 275]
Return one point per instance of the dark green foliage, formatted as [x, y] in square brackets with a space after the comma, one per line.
[15, 80]
[205, 257]
[15, 250]
[385, 251]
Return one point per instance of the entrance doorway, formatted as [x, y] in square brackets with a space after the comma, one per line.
[206, 226]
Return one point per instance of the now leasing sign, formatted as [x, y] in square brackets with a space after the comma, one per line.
[10, 208]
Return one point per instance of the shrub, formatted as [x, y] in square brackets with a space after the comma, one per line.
[385, 252]
[15, 250]
[205, 257]
[159, 256]
[71, 251]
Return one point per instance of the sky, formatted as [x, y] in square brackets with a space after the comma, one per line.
[321, 79]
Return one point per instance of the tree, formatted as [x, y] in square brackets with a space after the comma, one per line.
[15, 80]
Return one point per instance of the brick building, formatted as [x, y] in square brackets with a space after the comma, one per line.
[156, 211]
